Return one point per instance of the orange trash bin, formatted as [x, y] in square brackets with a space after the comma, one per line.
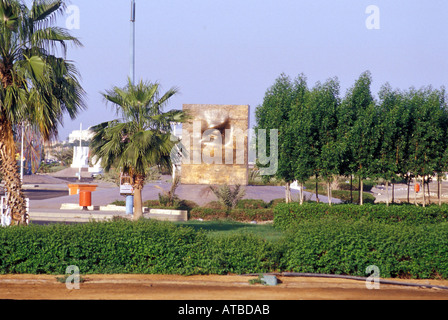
[417, 187]
[85, 199]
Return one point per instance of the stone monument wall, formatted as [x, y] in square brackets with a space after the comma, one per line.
[215, 139]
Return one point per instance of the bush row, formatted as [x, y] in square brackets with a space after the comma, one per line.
[349, 247]
[290, 215]
[246, 210]
[242, 215]
[154, 247]
[146, 246]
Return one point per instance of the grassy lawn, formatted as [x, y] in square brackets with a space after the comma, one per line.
[219, 227]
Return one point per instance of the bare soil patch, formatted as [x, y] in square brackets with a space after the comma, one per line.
[210, 287]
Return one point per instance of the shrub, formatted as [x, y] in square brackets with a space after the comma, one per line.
[251, 204]
[227, 195]
[208, 213]
[180, 205]
[214, 205]
[273, 203]
[112, 247]
[146, 246]
[329, 245]
[344, 195]
[243, 253]
[347, 247]
[235, 214]
[290, 215]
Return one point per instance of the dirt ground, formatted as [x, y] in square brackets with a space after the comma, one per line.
[211, 287]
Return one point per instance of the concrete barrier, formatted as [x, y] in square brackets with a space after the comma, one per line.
[168, 214]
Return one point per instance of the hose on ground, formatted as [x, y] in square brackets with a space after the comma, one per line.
[339, 276]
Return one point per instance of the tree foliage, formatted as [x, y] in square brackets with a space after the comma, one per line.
[402, 134]
[38, 86]
[141, 137]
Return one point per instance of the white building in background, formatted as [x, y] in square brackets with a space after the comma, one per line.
[81, 154]
[85, 135]
[80, 157]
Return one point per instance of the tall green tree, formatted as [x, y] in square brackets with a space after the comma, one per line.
[37, 86]
[391, 127]
[274, 114]
[360, 137]
[323, 104]
[300, 143]
[141, 138]
[428, 140]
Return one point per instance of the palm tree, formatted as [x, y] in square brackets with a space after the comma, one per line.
[141, 138]
[37, 86]
[228, 196]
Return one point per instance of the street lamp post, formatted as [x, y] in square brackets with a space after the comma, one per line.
[21, 155]
[130, 197]
[132, 71]
[80, 150]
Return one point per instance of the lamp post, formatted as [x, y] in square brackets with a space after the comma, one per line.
[80, 150]
[132, 71]
[130, 197]
[21, 154]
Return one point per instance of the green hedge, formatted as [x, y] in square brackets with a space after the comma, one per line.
[403, 241]
[323, 242]
[146, 246]
[349, 247]
[290, 215]
[242, 215]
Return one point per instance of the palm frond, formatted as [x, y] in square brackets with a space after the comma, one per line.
[228, 196]
[143, 127]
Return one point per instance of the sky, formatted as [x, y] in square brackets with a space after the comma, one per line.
[231, 52]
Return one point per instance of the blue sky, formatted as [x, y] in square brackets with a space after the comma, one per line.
[230, 52]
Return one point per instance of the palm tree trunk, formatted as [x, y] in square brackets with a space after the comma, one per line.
[138, 202]
[329, 192]
[11, 177]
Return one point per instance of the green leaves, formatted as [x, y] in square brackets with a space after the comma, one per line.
[141, 137]
[403, 134]
[151, 247]
[228, 196]
[36, 66]
[319, 244]
[9, 15]
[283, 106]
[48, 85]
